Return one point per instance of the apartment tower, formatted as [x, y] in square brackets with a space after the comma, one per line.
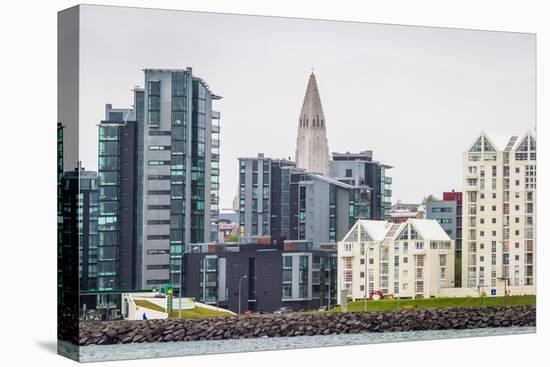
[499, 214]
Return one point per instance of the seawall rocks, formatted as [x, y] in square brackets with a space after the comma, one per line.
[240, 327]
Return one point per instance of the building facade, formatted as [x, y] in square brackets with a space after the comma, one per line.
[288, 203]
[80, 221]
[499, 214]
[117, 171]
[359, 169]
[159, 180]
[448, 213]
[261, 277]
[312, 152]
[414, 259]
[264, 197]
[324, 209]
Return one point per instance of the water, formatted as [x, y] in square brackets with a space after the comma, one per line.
[96, 353]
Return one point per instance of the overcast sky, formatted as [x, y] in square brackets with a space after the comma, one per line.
[415, 96]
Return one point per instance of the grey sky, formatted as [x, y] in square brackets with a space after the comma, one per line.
[415, 96]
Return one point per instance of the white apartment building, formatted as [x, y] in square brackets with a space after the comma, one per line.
[413, 259]
[499, 214]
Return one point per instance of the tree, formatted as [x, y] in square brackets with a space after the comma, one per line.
[430, 197]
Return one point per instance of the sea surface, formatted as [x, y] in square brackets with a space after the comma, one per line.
[95, 353]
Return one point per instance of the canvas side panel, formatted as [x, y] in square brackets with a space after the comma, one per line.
[68, 181]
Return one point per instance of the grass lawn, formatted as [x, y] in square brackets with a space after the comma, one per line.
[391, 304]
[150, 305]
[197, 312]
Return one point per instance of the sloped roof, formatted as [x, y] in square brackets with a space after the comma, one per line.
[429, 229]
[499, 140]
[377, 229]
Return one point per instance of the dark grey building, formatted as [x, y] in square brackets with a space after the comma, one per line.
[264, 277]
[80, 209]
[360, 169]
[117, 171]
[264, 197]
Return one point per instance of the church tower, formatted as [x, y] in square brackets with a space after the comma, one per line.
[311, 145]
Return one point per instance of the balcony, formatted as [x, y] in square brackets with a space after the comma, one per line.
[215, 115]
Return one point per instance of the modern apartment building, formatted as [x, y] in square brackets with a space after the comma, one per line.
[117, 171]
[324, 209]
[448, 213]
[414, 259]
[499, 214]
[80, 221]
[359, 169]
[288, 203]
[261, 277]
[159, 169]
[264, 197]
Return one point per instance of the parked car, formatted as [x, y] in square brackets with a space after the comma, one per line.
[283, 310]
[249, 312]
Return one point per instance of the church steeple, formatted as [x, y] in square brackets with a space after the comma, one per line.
[311, 144]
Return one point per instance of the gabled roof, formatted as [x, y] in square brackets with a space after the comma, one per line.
[429, 229]
[497, 140]
[377, 229]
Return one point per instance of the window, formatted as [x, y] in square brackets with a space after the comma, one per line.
[362, 274]
[158, 252]
[348, 172]
[494, 208]
[158, 163]
[493, 220]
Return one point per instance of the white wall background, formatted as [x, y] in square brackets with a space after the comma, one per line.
[28, 259]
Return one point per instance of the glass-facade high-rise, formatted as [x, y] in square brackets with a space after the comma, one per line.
[159, 167]
[80, 210]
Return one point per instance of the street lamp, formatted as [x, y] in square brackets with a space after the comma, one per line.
[240, 280]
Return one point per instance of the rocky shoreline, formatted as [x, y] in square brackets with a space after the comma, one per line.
[240, 327]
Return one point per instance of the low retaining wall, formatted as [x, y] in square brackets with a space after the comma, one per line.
[238, 327]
